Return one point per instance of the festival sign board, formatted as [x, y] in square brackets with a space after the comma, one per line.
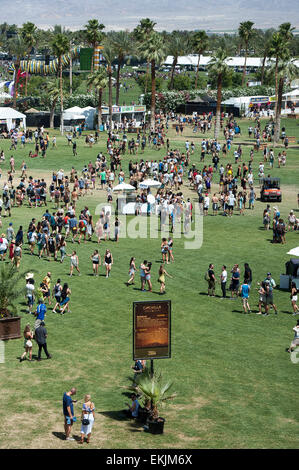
[152, 329]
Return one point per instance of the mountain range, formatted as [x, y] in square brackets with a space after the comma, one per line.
[217, 15]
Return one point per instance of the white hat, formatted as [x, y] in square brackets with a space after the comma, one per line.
[29, 276]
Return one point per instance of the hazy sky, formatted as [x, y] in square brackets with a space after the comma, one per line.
[168, 14]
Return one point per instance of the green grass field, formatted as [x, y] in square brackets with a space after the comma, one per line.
[236, 386]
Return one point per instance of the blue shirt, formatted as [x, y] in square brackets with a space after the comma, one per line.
[245, 291]
[41, 310]
[67, 401]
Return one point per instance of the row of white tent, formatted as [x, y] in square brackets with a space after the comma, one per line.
[237, 62]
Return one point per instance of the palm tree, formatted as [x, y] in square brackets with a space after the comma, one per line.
[17, 48]
[153, 390]
[122, 44]
[60, 46]
[200, 42]
[286, 70]
[279, 51]
[53, 91]
[246, 33]
[109, 56]
[263, 45]
[178, 46]
[218, 66]
[98, 79]
[28, 33]
[154, 52]
[94, 35]
[141, 34]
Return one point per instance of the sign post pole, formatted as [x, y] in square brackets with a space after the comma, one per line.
[152, 368]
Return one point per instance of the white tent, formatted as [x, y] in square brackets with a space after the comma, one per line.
[294, 252]
[9, 116]
[145, 184]
[124, 187]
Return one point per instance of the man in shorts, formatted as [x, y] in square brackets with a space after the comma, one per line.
[269, 298]
[295, 341]
[244, 292]
[68, 412]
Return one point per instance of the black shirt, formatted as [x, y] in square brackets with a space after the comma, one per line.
[40, 335]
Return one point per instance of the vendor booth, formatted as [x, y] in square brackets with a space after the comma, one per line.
[73, 118]
[292, 271]
[10, 119]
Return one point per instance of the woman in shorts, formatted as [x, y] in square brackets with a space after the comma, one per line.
[132, 270]
[164, 250]
[28, 336]
[108, 262]
[96, 261]
[294, 299]
[161, 278]
[65, 298]
[74, 263]
[57, 294]
[147, 272]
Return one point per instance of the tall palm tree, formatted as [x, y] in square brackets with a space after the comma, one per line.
[279, 51]
[286, 69]
[60, 46]
[154, 52]
[263, 45]
[122, 44]
[28, 33]
[178, 45]
[141, 34]
[53, 91]
[246, 33]
[17, 49]
[98, 79]
[94, 35]
[200, 42]
[109, 56]
[218, 66]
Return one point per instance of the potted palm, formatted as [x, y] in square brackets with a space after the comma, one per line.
[10, 322]
[154, 394]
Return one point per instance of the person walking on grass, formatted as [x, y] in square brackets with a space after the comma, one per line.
[87, 419]
[96, 262]
[57, 294]
[65, 298]
[68, 412]
[170, 249]
[294, 299]
[142, 275]
[132, 270]
[295, 341]
[164, 250]
[244, 292]
[28, 336]
[223, 280]
[161, 279]
[108, 262]
[41, 339]
[74, 263]
[147, 272]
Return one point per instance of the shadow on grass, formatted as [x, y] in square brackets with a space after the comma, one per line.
[59, 435]
[117, 415]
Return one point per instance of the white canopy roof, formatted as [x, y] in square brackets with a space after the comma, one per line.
[294, 251]
[192, 59]
[292, 94]
[74, 109]
[10, 113]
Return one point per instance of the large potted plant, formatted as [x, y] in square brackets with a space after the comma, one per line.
[154, 393]
[10, 322]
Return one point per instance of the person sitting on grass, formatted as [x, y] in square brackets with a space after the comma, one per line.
[132, 412]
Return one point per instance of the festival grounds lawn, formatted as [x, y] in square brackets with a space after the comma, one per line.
[236, 386]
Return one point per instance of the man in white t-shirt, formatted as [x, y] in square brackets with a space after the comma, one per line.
[29, 293]
[223, 279]
[231, 202]
[206, 204]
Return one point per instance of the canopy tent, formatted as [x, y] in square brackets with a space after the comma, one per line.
[124, 187]
[9, 116]
[294, 251]
[32, 111]
[149, 184]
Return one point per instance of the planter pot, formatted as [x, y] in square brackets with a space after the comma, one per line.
[157, 426]
[10, 328]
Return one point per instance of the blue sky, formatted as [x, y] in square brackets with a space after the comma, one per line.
[168, 14]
